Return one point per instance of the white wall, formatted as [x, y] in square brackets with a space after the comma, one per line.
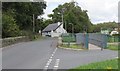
[58, 32]
[53, 34]
[61, 30]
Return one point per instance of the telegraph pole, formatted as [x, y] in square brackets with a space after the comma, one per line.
[65, 26]
[33, 23]
[62, 18]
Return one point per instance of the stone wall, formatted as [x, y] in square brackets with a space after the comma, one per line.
[13, 40]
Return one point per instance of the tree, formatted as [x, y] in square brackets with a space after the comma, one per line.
[46, 23]
[10, 29]
[104, 26]
[72, 14]
[22, 13]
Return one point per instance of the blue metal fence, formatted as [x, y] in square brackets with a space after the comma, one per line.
[98, 39]
[68, 37]
[93, 38]
[82, 38]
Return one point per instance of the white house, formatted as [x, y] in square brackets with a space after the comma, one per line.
[54, 30]
[114, 32]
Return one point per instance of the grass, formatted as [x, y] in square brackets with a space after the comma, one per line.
[112, 46]
[74, 46]
[68, 39]
[108, 64]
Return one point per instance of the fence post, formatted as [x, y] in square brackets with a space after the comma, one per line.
[59, 41]
[102, 47]
[86, 40]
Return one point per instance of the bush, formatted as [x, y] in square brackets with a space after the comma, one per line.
[114, 38]
[113, 47]
[116, 35]
[9, 27]
[33, 36]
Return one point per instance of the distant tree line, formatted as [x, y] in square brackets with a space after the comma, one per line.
[104, 26]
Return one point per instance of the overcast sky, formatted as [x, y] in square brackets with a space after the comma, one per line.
[98, 10]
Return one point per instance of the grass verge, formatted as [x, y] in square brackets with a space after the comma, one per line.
[73, 46]
[68, 39]
[108, 64]
[112, 46]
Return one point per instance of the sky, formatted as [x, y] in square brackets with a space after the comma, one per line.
[98, 10]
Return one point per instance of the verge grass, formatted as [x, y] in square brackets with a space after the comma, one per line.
[108, 64]
[113, 47]
[73, 46]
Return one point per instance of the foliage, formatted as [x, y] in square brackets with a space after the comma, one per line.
[10, 29]
[104, 26]
[113, 46]
[113, 38]
[22, 14]
[72, 14]
[46, 22]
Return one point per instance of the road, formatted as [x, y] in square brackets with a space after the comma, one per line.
[43, 54]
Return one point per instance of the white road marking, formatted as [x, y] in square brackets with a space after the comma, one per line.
[57, 64]
[46, 67]
[51, 57]
[55, 51]
[48, 63]
[50, 60]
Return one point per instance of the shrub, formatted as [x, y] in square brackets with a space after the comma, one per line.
[9, 26]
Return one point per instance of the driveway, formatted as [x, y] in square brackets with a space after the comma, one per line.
[43, 54]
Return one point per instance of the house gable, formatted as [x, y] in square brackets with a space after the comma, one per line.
[54, 29]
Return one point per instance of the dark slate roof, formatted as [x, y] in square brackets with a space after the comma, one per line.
[51, 27]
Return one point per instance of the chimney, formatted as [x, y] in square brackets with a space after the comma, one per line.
[59, 23]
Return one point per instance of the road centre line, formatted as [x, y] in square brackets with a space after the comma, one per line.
[57, 64]
[50, 60]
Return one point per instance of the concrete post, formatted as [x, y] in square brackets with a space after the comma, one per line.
[59, 41]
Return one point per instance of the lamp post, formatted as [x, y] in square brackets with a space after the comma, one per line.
[63, 9]
[62, 15]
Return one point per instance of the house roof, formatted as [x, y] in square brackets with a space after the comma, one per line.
[51, 27]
